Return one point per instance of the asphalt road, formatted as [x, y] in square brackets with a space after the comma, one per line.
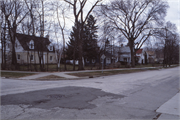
[123, 96]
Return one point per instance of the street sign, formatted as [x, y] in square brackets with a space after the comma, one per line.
[103, 57]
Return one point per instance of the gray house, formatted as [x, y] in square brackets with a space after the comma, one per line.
[118, 54]
[124, 54]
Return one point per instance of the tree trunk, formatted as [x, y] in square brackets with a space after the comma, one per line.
[12, 32]
[4, 52]
[64, 59]
[47, 61]
[80, 63]
[132, 57]
[131, 45]
[74, 59]
[14, 60]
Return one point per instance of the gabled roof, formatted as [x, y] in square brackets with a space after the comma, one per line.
[40, 43]
[139, 51]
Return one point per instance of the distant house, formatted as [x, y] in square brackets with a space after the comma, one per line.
[144, 56]
[29, 49]
[141, 56]
[89, 62]
[151, 56]
[124, 54]
[118, 54]
[110, 55]
[109, 58]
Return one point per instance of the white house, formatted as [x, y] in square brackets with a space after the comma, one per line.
[145, 56]
[28, 49]
[140, 56]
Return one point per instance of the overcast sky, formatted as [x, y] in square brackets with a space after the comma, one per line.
[173, 13]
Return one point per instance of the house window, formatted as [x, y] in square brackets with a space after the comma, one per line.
[51, 58]
[5, 57]
[108, 60]
[51, 48]
[31, 44]
[18, 56]
[125, 59]
[31, 57]
[87, 60]
[93, 60]
[128, 60]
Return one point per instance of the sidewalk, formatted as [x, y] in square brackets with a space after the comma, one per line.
[171, 109]
[65, 74]
[60, 74]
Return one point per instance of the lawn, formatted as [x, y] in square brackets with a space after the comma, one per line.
[50, 77]
[106, 73]
[50, 67]
[148, 65]
[15, 74]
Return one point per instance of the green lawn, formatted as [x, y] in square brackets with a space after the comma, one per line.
[15, 74]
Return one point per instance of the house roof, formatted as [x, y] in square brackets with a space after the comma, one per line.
[125, 49]
[139, 51]
[40, 43]
[107, 54]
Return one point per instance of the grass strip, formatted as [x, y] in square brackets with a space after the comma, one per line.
[15, 74]
[106, 73]
[50, 77]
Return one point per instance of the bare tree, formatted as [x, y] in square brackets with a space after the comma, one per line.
[42, 28]
[4, 40]
[78, 7]
[62, 25]
[168, 39]
[14, 13]
[58, 48]
[135, 19]
[31, 6]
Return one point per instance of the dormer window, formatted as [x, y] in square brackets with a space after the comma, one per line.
[31, 44]
[50, 47]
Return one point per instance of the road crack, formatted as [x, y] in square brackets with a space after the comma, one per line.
[23, 111]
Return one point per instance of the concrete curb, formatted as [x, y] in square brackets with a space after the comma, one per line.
[170, 109]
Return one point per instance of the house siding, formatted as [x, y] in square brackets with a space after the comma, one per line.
[25, 58]
[125, 53]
